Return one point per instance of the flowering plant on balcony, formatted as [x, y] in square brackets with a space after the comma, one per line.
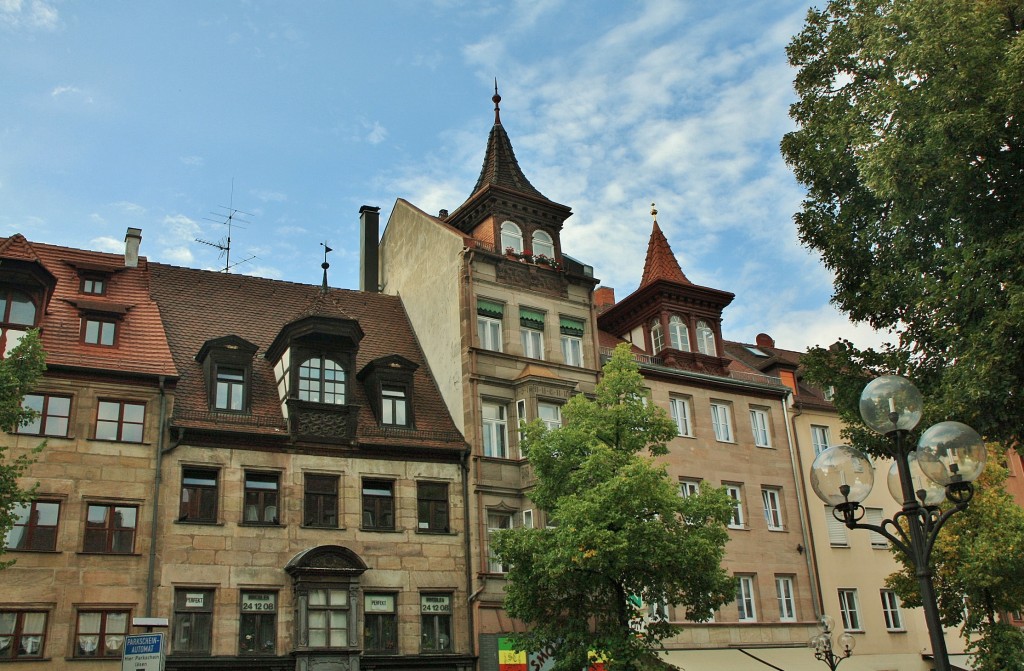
[547, 261]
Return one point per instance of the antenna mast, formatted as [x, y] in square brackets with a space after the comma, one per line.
[231, 219]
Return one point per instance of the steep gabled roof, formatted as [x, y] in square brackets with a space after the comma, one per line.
[661, 263]
[141, 346]
[200, 304]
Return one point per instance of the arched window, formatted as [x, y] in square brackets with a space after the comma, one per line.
[542, 245]
[705, 339]
[677, 333]
[657, 336]
[322, 380]
[16, 307]
[511, 236]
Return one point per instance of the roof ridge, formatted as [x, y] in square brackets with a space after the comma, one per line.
[17, 247]
[661, 263]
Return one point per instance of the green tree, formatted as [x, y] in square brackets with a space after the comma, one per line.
[19, 371]
[977, 562]
[910, 118]
[623, 533]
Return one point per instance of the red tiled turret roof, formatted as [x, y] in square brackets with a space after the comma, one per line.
[661, 263]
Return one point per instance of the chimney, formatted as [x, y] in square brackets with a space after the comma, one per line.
[369, 244]
[442, 214]
[604, 298]
[132, 240]
[764, 340]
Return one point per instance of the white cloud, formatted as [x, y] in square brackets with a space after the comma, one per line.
[34, 14]
[269, 196]
[129, 207]
[107, 244]
[61, 90]
[177, 255]
[377, 133]
[192, 160]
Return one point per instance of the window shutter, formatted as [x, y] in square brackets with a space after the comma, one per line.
[836, 529]
[874, 516]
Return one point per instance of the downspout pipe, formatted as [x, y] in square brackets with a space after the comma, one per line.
[467, 542]
[810, 556]
[157, 480]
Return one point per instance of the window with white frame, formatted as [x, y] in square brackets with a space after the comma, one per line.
[678, 335]
[891, 610]
[488, 323]
[759, 425]
[745, 598]
[784, 594]
[849, 608]
[772, 499]
[550, 414]
[721, 423]
[688, 487]
[495, 428]
[527, 519]
[531, 332]
[543, 245]
[511, 236]
[496, 521]
[819, 438]
[680, 408]
[657, 336]
[706, 339]
[874, 516]
[837, 537]
[735, 493]
[571, 330]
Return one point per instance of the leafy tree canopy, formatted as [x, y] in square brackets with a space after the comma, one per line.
[19, 371]
[622, 532]
[909, 141]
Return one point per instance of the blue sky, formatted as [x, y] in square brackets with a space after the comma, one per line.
[145, 114]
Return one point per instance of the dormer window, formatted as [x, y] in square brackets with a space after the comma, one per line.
[94, 285]
[705, 339]
[542, 245]
[511, 237]
[388, 382]
[393, 406]
[230, 389]
[16, 307]
[97, 331]
[322, 380]
[227, 367]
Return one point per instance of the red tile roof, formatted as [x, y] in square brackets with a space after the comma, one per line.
[199, 305]
[661, 263]
[141, 348]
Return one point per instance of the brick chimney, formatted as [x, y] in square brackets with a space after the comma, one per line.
[764, 340]
[369, 248]
[132, 240]
[604, 298]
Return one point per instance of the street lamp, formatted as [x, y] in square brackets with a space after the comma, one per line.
[823, 647]
[949, 456]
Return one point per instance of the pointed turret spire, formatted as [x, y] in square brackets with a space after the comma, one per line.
[661, 263]
[500, 165]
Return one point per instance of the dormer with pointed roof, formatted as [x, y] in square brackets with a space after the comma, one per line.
[505, 209]
[26, 287]
[670, 317]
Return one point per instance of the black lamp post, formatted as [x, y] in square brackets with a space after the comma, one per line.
[824, 649]
[949, 456]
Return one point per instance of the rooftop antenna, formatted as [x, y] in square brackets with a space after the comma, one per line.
[325, 265]
[231, 220]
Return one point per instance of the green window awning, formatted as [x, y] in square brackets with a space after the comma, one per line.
[489, 308]
[570, 326]
[531, 318]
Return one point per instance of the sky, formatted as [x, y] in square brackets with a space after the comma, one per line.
[166, 116]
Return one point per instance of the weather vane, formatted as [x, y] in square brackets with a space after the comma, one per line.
[325, 265]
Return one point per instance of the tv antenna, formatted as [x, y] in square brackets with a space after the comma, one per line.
[230, 219]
